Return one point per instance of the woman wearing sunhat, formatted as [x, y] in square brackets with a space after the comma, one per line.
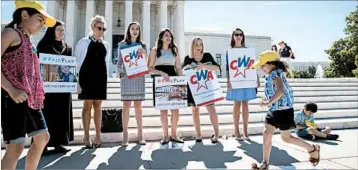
[22, 92]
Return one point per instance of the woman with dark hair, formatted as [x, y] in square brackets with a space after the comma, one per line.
[242, 96]
[132, 89]
[274, 48]
[286, 54]
[57, 106]
[22, 92]
[164, 61]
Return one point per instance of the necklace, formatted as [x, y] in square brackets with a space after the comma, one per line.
[58, 52]
[33, 47]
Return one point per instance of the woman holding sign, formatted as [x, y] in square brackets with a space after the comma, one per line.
[132, 89]
[240, 96]
[57, 106]
[164, 61]
[91, 53]
[195, 60]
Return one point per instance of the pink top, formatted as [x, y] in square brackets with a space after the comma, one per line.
[22, 68]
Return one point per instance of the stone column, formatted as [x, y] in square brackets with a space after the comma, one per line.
[128, 13]
[89, 15]
[146, 23]
[70, 23]
[180, 29]
[163, 14]
[108, 33]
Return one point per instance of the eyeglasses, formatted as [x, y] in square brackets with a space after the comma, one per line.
[100, 29]
[60, 30]
[237, 34]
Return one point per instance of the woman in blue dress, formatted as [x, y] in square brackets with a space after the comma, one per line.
[242, 96]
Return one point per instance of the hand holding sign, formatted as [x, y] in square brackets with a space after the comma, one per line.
[134, 61]
[199, 66]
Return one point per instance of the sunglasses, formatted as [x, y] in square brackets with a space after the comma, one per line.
[100, 29]
[237, 34]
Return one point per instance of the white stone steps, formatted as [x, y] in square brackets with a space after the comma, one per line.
[149, 103]
[155, 134]
[187, 120]
[252, 108]
[149, 96]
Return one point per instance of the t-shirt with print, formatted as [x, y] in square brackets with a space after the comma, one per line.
[286, 101]
[285, 52]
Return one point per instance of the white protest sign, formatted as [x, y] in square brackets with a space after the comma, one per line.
[134, 61]
[57, 73]
[170, 94]
[241, 75]
[204, 86]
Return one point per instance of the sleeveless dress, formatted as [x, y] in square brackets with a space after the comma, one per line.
[239, 95]
[131, 89]
[165, 63]
[93, 73]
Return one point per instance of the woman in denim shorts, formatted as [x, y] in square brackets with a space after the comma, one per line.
[22, 92]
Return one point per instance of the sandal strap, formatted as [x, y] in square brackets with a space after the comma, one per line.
[314, 149]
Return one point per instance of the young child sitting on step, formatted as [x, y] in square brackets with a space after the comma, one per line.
[307, 129]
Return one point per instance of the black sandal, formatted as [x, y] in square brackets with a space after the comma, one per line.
[213, 141]
[177, 140]
[264, 165]
[164, 141]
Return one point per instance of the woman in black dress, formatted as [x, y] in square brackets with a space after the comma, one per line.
[57, 106]
[164, 61]
[198, 59]
[91, 53]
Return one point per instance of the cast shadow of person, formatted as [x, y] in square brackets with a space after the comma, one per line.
[125, 158]
[277, 156]
[79, 159]
[168, 156]
[213, 155]
[44, 161]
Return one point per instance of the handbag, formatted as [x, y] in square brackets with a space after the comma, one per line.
[111, 121]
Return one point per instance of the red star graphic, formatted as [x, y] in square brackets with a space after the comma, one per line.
[201, 85]
[133, 63]
[238, 72]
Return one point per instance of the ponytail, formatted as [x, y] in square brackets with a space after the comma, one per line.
[11, 24]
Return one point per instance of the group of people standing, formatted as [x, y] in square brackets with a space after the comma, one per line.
[27, 110]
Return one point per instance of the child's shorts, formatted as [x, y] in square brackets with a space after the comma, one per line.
[19, 120]
[304, 132]
[281, 119]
